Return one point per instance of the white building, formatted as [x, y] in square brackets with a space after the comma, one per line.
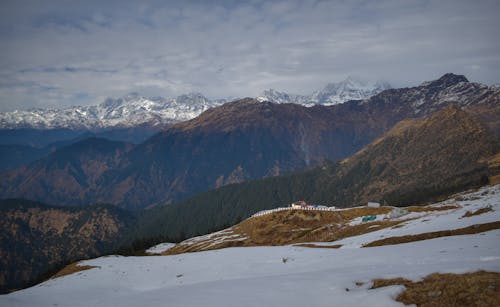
[373, 204]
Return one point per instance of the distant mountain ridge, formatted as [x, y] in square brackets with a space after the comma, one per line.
[128, 111]
[333, 93]
[135, 110]
[235, 142]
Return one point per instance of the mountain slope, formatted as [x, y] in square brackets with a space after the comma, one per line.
[75, 170]
[14, 156]
[248, 139]
[417, 159]
[36, 238]
[414, 162]
[345, 228]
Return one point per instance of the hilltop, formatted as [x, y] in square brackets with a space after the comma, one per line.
[346, 227]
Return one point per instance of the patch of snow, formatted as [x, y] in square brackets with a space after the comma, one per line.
[257, 276]
[160, 248]
[430, 221]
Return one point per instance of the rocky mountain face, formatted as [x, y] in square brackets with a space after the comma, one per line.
[36, 239]
[238, 141]
[332, 93]
[129, 111]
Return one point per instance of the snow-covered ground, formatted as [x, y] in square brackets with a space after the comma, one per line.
[285, 275]
[430, 221]
[160, 248]
[257, 276]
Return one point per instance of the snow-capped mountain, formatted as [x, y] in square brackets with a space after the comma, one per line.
[332, 93]
[134, 110]
[130, 110]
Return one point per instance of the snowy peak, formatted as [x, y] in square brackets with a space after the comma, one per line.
[349, 89]
[133, 109]
[333, 93]
[127, 111]
[275, 96]
[446, 80]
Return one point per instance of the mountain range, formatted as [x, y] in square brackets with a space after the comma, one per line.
[333, 93]
[128, 111]
[134, 110]
[401, 146]
[414, 162]
[238, 141]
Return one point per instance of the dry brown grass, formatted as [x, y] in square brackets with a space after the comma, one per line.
[302, 226]
[494, 164]
[311, 245]
[204, 245]
[478, 228]
[298, 226]
[379, 282]
[495, 179]
[72, 268]
[293, 227]
[349, 214]
[356, 230]
[477, 212]
[470, 289]
[287, 227]
[430, 208]
[493, 161]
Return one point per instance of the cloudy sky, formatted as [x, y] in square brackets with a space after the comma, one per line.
[63, 53]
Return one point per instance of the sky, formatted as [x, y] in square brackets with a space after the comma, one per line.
[56, 54]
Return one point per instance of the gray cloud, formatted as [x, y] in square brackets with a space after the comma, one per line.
[57, 53]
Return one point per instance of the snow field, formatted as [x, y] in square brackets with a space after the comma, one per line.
[284, 275]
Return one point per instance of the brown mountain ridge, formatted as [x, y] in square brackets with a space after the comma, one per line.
[417, 161]
[239, 141]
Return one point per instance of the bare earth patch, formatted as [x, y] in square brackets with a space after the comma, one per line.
[431, 208]
[436, 234]
[477, 212]
[470, 289]
[72, 268]
[352, 213]
[311, 245]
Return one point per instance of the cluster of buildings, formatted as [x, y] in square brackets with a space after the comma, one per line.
[301, 204]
